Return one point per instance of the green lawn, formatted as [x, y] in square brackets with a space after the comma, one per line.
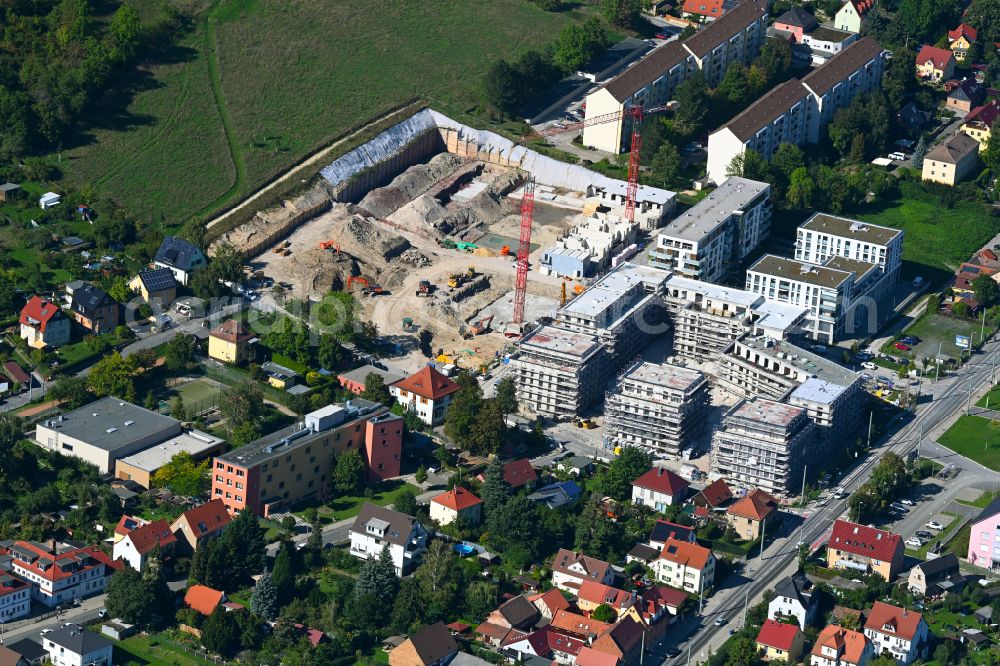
[300, 368]
[259, 84]
[936, 332]
[152, 650]
[960, 543]
[348, 506]
[199, 394]
[976, 438]
[938, 239]
[991, 398]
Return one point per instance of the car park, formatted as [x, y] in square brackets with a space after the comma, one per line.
[924, 534]
[934, 525]
[910, 340]
[898, 507]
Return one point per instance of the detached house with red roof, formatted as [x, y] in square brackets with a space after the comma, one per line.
[549, 603]
[703, 10]
[516, 473]
[203, 599]
[749, 514]
[659, 488]
[457, 503]
[864, 549]
[427, 393]
[593, 594]
[897, 632]
[686, 566]
[44, 324]
[934, 64]
[961, 39]
[58, 572]
[837, 646]
[777, 640]
[979, 122]
[202, 523]
[570, 569]
[136, 546]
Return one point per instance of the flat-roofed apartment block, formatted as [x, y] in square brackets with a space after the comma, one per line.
[834, 407]
[707, 317]
[655, 406]
[736, 37]
[797, 111]
[711, 238]
[762, 444]
[652, 205]
[558, 372]
[295, 463]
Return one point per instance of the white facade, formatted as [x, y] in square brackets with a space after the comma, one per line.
[99, 652]
[368, 544]
[848, 18]
[683, 576]
[904, 650]
[430, 411]
[655, 500]
[56, 334]
[823, 236]
[15, 598]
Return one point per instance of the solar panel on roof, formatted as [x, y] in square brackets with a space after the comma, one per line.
[159, 279]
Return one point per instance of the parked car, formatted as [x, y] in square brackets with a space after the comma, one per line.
[896, 506]
[662, 35]
[934, 525]
[914, 542]
[897, 156]
[924, 534]
[907, 502]
[902, 346]
[910, 340]
[868, 365]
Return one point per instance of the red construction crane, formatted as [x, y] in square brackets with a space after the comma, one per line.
[516, 326]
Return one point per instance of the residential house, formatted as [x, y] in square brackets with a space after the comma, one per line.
[44, 324]
[202, 523]
[517, 473]
[797, 22]
[853, 15]
[593, 594]
[579, 625]
[657, 603]
[549, 603]
[777, 640]
[94, 309]
[15, 597]
[72, 645]
[59, 572]
[279, 376]
[377, 528]
[354, 380]
[427, 393]
[516, 613]
[979, 122]
[748, 515]
[794, 597]
[686, 566]
[158, 284]
[232, 341]
[865, 550]
[557, 494]
[837, 646]
[964, 95]
[181, 257]
[664, 530]
[126, 524]
[570, 569]
[936, 575]
[703, 10]
[897, 632]
[9, 657]
[713, 496]
[135, 547]
[456, 504]
[934, 64]
[950, 162]
[960, 41]
[588, 656]
[31, 651]
[204, 599]
[911, 118]
[659, 488]
[622, 641]
[431, 646]
[547, 643]
[984, 538]
[576, 465]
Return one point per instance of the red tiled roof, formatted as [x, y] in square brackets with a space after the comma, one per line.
[938, 57]
[588, 656]
[688, 554]
[985, 252]
[427, 383]
[16, 373]
[147, 537]
[755, 505]
[599, 593]
[850, 645]
[553, 600]
[863, 540]
[457, 499]
[660, 596]
[207, 518]
[314, 636]
[128, 523]
[662, 480]
[578, 624]
[892, 620]
[777, 635]
[593, 568]
[964, 29]
[38, 312]
[710, 8]
[203, 599]
[862, 6]
[232, 330]
[626, 635]
[519, 472]
[55, 568]
[494, 631]
[717, 493]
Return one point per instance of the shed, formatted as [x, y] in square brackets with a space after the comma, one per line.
[49, 199]
[9, 191]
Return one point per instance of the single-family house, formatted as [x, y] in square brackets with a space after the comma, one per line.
[9, 657]
[964, 95]
[547, 644]
[984, 538]
[516, 473]
[686, 566]
[204, 599]
[72, 645]
[377, 527]
[936, 575]
[455, 504]
[664, 530]
[354, 380]
[576, 465]
[138, 544]
[579, 625]
[961, 39]
[864, 549]
[951, 161]
[797, 22]
[427, 393]
[549, 603]
[659, 488]
[232, 341]
[794, 597]
[16, 374]
[182, 257]
[515, 613]
[157, 284]
[202, 523]
[94, 309]
[279, 376]
[853, 15]
[778, 640]
[713, 496]
[431, 646]
[622, 641]
[703, 10]
[32, 652]
[570, 569]
[593, 594]
[837, 646]
[979, 122]
[557, 494]
[748, 515]
[897, 632]
[44, 324]
[934, 64]
[9, 192]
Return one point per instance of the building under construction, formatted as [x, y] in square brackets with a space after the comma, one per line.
[655, 406]
[762, 444]
[558, 373]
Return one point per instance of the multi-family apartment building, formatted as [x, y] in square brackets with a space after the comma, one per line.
[864, 549]
[897, 632]
[823, 236]
[570, 569]
[294, 463]
[655, 406]
[797, 111]
[15, 597]
[711, 238]
[558, 372]
[686, 566]
[736, 37]
[762, 444]
[59, 572]
[377, 528]
[836, 646]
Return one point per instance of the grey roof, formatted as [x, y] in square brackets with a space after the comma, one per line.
[88, 299]
[158, 279]
[29, 649]
[848, 228]
[518, 611]
[278, 371]
[78, 640]
[822, 79]
[178, 253]
[434, 643]
[795, 587]
[702, 219]
[111, 424]
[939, 567]
[194, 442]
[359, 374]
[798, 17]
[799, 271]
[398, 525]
[954, 149]
[466, 659]
[9, 187]
[992, 509]
[723, 29]
[644, 552]
[818, 391]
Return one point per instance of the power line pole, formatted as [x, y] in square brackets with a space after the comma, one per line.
[937, 363]
[968, 401]
[802, 501]
[871, 418]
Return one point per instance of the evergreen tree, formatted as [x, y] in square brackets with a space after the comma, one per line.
[126, 596]
[384, 577]
[264, 600]
[209, 566]
[409, 608]
[495, 491]
[220, 633]
[154, 582]
[315, 541]
[283, 576]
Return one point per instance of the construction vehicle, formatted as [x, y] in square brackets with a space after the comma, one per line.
[373, 290]
[505, 251]
[456, 280]
[330, 245]
[586, 424]
[446, 243]
[424, 288]
[357, 279]
[481, 326]
[407, 323]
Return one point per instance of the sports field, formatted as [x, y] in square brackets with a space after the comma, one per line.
[256, 85]
[200, 394]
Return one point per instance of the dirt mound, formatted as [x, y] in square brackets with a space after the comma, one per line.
[271, 225]
[383, 201]
[366, 234]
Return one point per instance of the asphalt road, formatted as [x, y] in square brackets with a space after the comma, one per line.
[949, 398]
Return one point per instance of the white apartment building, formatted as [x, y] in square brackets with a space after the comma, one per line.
[708, 240]
[685, 566]
[558, 372]
[656, 406]
[60, 573]
[15, 597]
[377, 528]
[762, 444]
[72, 645]
[823, 236]
[797, 111]
[735, 37]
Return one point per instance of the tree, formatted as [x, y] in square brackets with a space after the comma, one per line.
[409, 609]
[800, 189]
[220, 634]
[177, 409]
[72, 391]
[420, 476]
[502, 87]
[209, 566]
[113, 375]
[621, 12]
[127, 597]
[145, 358]
[349, 472]
[748, 164]
[243, 408]
[376, 390]
[900, 79]
[666, 163]
[604, 613]
[464, 409]
[178, 352]
[495, 491]
[692, 97]
[917, 160]
[438, 580]
[481, 597]
[631, 463]
[264, 599]
[742, 651]
[986, 290]
[735, 86]
[243, 547]
[406, 502]
[328, 352]
[123, 32]
[775, 61]
[945, 652]
[506, 395]
[283, 576]
[578, 43]
[183, 475]
[488, 429]
[960, 309]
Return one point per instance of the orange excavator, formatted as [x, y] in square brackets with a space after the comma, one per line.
[356, 279]
[330, 245]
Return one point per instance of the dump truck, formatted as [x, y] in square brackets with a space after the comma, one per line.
[424, 288]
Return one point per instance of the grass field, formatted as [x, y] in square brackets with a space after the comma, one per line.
[937, 239]
[975, 438]
[348, 506]
[199, 394]
[992, 398]
[938, 332]
[150, 650]
[256, 85]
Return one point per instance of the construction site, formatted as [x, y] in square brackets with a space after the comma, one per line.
[423, 224]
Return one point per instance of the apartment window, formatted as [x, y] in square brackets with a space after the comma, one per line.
[219, 466]
[239, 486]
[288, 458]
[269, 477]
[281, 485]
[240, 472]
[218, 477]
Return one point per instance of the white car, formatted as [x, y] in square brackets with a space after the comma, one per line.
[907, 502]
[868, 365]
[934, 525]
[914, 542]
